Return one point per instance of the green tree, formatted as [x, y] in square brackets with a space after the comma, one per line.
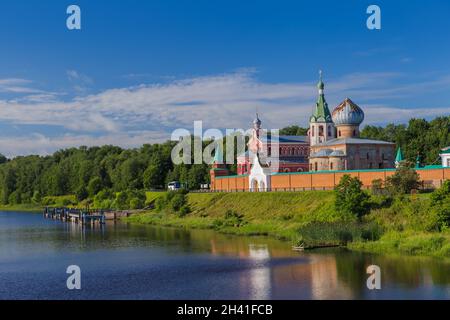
[293, 131]
[440, 199]
[350, 198]
[81, 193]
[153, 177]
[3, 159]
[121, 201]
[94, 186]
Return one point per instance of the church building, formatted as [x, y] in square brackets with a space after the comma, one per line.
[335, 143]
[293, 152]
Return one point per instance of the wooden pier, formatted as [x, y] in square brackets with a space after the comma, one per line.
[81, 216]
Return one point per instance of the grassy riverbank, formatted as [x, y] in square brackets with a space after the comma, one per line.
[21, 208]
[404, 225]
[274, 214]
[408, 242]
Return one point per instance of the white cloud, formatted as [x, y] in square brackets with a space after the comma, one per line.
[17, 86]
[223, 101]
[37, 143]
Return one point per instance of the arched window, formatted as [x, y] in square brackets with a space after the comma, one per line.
[312, 131]
[286, 170]
[320, 131]
[329, 131]
[331, 166]
[339, 133]
[315, 166]
[299, 170]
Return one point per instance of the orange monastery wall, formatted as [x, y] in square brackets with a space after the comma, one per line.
[325, 180]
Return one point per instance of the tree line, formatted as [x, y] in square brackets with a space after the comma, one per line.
[86, 172]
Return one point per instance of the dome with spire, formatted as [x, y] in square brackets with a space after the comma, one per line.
[321, 112]
[320, 85]
[347, 113]
[257, 122]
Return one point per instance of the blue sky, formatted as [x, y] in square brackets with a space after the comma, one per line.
[139, 69]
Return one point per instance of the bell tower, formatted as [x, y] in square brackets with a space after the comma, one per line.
[321, 127]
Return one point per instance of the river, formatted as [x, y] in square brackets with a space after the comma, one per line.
[123, 261]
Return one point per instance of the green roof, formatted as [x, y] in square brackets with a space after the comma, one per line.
[399, 156]
[218, 156]
[445, 151]
[321, 112]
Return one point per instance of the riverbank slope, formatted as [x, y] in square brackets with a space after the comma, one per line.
[404, 225]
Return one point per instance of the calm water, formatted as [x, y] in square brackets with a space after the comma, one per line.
[124, 261]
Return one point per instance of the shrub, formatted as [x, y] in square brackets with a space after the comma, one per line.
[175, 201]
[160, 203]
[377, 187]
[184, 210]
[178, 201]
[66, 202]
[106, 204]
[37, 198]
[404, 180]
[136, 203]
[440, 194]
[440, 200]
[48, 201]
[121, 201]
[350, 198]
[233, 219]
[103, 199]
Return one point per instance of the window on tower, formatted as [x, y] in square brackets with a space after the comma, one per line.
[321, 131]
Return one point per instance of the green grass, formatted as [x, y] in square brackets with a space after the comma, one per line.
[408, 242]
[151, 196]
[21, 208]
[262, 213]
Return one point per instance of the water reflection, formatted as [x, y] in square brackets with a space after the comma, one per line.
[150, 263]
[260, 280]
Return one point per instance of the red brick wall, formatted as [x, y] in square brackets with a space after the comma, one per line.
[324, 180]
